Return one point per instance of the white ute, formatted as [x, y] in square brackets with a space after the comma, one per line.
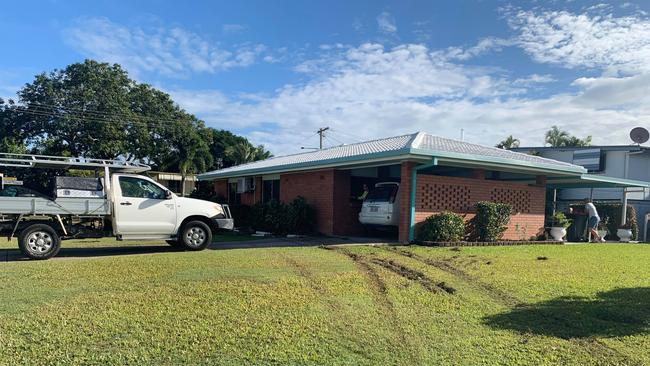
[381, 206]
[126, 206]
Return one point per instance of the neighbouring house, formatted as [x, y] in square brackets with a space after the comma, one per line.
[617, 161]
[174, 181]
[435, 174]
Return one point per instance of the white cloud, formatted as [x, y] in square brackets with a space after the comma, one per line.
[614, 44]
[171, 52]
[371, 92]
[386, 23]
[484, 46]
[534, 79]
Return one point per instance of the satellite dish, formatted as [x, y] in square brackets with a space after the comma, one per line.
[639, 135]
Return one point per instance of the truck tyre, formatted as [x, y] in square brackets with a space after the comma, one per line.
[195, 235]
[39, 241]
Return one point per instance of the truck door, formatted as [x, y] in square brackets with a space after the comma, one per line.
[142, 207]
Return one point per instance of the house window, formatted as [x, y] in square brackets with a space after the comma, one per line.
[271, 190]
[234, 198]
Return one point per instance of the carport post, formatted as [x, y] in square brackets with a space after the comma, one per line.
[624, 213]
[414, 175]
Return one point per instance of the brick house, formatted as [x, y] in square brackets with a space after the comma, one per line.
[435, 174]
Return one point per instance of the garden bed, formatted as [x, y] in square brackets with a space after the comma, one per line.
[486, 243]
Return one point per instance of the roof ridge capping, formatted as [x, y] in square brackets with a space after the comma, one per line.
[320, 151]
[496, 149]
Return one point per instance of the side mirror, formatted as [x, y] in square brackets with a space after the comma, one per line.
[168, 195]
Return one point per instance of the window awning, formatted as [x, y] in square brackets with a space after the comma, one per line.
[594, 181]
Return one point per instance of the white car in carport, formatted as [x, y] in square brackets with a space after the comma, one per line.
[381, 206]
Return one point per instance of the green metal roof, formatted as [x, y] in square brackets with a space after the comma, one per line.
[417, 146]
[594, 181]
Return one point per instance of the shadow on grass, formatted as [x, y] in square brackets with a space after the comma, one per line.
[619, 312]
[14, 255]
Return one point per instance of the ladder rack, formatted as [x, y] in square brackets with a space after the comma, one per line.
[64, 162]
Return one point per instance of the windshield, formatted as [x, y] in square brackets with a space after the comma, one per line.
[382, 194]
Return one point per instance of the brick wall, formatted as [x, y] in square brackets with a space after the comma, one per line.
[405, 201]
[318, 189]
[247, 198]
[346, 211]
[221, 188]
[438, 193]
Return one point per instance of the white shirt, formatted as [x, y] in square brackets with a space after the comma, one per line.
[591, 209]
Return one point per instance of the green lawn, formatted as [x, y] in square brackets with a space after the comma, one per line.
[523, 305]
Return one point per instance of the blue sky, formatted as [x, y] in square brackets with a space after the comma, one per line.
[275, 71]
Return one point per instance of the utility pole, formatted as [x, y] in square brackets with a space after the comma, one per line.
[321, 133]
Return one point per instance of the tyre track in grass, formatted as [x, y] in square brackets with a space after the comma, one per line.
[379, 292]
[492, 291]
[302, 271]
[592, 345]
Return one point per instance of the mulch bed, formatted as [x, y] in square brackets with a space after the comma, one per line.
[487, 243]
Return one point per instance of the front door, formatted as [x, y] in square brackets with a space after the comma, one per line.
[142, 208]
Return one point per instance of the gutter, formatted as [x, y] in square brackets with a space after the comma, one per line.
[414, 175]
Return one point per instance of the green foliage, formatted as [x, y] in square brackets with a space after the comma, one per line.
[245, 152]
[509, 143]
[233, 150]
[560, 220]
[491, 220]
[442, 227]
[297, 217]
[611, 213]
[94, 109]
[559, 138]
[301, 217]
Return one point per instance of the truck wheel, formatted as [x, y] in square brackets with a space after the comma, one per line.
[195, 235]
[39, 241]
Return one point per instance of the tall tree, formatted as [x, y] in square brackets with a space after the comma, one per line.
[94, 109]
[559, 138]
[578, 142]
[12, 134]
[241, 153]
[556, 137]
[80, 110]
[509, 143]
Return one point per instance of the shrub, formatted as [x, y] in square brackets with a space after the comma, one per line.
[301, 217]
[297, 217]
[441, 227]
[491, 220]
[560, 220]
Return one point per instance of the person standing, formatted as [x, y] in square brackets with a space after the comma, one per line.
[364, 194]
[593, 219]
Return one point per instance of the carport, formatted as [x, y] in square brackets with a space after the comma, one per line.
[596, 181]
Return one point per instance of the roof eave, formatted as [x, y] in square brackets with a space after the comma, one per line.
[401, 154]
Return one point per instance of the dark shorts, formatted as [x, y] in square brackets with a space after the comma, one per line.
[593, 222]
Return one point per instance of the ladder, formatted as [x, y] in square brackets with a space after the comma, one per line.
[65, 162]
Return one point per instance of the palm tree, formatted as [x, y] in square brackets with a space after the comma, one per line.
[241, 153]
[556, 137]
[509, 143]
[261, 153]
[577, 142]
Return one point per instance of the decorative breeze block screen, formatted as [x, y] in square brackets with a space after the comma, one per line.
[519, 199]
[445, 197]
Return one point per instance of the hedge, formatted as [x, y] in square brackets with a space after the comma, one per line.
[442, 227]
[491, 220]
